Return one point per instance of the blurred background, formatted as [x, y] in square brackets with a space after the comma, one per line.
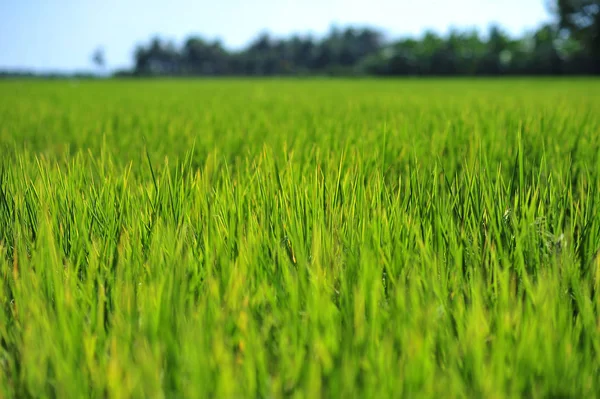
[310, 37]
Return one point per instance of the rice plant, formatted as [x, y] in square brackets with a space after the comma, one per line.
[300, 238]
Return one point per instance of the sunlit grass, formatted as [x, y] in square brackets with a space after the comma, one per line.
[311, 238]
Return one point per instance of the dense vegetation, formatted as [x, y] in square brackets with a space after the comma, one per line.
[568, 45]
[354, 51]
[317, 238]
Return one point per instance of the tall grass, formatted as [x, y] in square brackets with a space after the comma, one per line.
[306, 239]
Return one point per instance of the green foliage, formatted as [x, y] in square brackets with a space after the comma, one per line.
[581, 18]
[308, 239]
[352, 51]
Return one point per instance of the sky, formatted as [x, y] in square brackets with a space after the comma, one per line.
[61, 35]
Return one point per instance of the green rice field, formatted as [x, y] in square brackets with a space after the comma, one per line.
[300, 238]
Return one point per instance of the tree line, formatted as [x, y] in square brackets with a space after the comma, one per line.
[569, 45]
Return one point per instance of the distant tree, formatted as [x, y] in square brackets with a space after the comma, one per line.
[430, 54]
[260, 57]
[581, 19]
[498, 55]
[471, 50]
[568, 46]
[299, 53]
[159, 58]
[547, 59]
[98, 58]
[204, 58]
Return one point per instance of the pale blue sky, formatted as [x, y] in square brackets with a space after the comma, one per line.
[61, 34]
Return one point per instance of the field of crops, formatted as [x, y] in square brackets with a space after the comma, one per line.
[300, 238]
